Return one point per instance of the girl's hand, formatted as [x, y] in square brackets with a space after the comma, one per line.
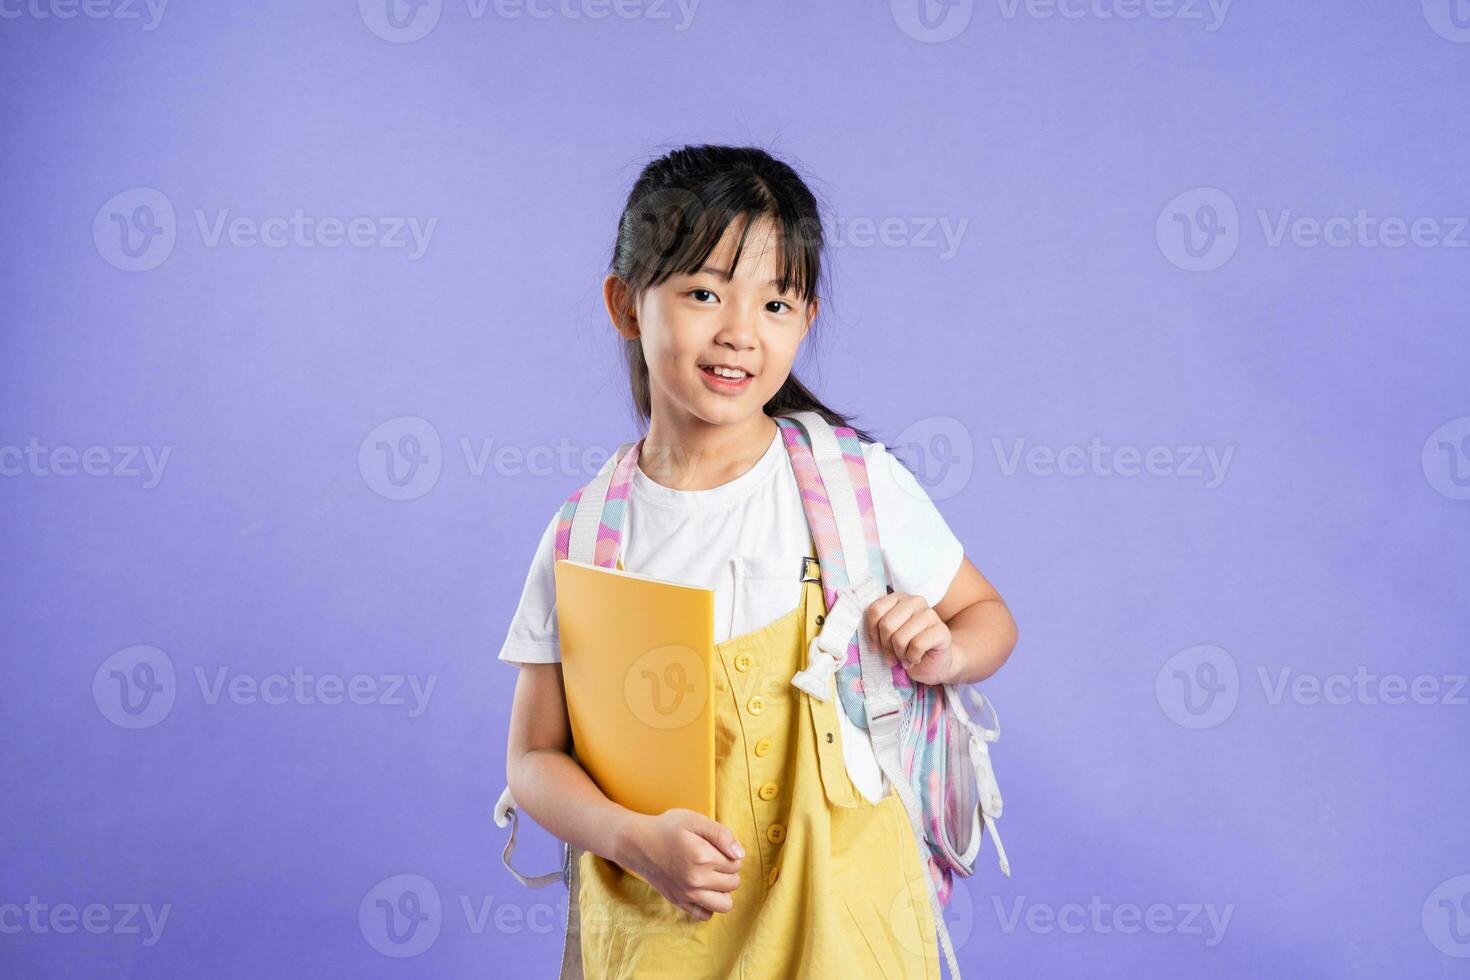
[907, 627]
[689, 859]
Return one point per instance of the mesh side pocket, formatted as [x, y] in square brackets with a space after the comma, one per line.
[953, 836]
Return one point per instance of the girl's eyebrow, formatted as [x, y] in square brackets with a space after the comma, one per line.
[711, 270]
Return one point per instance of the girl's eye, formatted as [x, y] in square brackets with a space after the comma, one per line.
[699, 293]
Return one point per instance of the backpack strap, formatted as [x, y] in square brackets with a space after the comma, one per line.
[835, 650]
[841, 501]
[589, 529]
[590, 526]
[831, 472]
[505, 812]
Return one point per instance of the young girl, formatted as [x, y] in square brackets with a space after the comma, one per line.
[810, 868]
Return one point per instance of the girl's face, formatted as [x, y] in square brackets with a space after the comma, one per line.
[689, 324]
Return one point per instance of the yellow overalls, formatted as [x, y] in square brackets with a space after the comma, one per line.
[831, 885]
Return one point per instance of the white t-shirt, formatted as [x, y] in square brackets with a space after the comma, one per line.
[745, 539]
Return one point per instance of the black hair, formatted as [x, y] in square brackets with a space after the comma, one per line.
[677, 212]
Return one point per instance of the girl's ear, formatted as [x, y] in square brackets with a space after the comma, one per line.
[811, 314]
[620, 309]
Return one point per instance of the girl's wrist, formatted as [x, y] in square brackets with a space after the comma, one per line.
[626, 841]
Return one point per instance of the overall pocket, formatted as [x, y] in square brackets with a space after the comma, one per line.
[882, 888]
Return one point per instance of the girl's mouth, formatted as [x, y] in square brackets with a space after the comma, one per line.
[724, 385]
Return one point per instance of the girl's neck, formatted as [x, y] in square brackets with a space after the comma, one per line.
[700, 456]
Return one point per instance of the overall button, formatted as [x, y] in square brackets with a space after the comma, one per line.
[742, 661]
[756, 704]
[771, 878]
[763, 747]
[775, 833]
[767, 791]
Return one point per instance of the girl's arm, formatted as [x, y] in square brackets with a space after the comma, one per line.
[691, 860]
[963, 640]
[982, 631]
[547, 783]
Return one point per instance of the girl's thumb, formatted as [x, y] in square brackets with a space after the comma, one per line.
[722, 837]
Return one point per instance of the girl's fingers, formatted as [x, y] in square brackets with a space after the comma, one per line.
[722, 838]
[712, 900]
[916, 635]
[923, 641]
[898, 642]
[690, 907]
[720, 881]
[889, 621]
[725, 865]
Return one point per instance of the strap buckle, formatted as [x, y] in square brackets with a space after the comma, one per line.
[807, 564]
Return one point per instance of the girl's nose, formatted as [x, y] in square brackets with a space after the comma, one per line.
[737, 329]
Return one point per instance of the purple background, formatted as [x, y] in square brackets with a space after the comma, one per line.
[1335, 542]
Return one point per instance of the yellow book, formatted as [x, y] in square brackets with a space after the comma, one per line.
[636, 658]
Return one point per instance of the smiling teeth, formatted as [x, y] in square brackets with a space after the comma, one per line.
[728, 372]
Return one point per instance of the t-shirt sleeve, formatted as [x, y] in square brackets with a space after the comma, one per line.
[920, 551]
[532, 637]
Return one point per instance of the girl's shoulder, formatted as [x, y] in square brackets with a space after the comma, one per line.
[920, 549]
[884, 466]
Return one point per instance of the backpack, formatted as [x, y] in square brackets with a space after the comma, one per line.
[932, 750]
